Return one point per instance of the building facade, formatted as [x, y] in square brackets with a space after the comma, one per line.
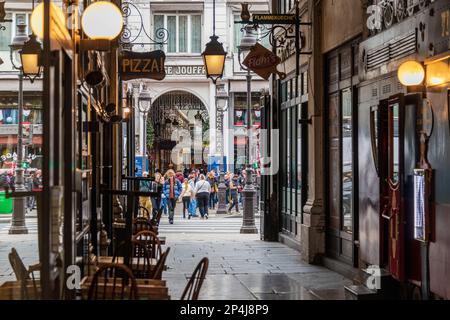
[352, 138]
[185, 92]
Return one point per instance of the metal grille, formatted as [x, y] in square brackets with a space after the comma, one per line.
[396, 49]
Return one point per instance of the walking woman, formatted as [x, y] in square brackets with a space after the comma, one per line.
[186, 195]
[202, 191]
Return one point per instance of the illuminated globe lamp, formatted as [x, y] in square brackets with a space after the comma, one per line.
[411, 73]
[37, 18]
[102, 20]
[214, 59]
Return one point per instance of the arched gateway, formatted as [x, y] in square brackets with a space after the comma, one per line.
[173, 110]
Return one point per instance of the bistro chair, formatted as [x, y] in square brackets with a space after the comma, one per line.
[112, 281]
[143, 213]
[23, 274]
[150, 241]
[142, 224]
[194, 284]
[159, 268]
[156, 219]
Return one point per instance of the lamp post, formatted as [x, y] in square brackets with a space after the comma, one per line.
[221, 102]
[144, 104]
[249, 192]
[26, 51]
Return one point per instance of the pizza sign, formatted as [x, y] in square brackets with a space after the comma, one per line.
[263, 62]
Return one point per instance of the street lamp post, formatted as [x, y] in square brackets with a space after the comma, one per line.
[249, 192]
[221, 101]
[144, 104]
[18, 225]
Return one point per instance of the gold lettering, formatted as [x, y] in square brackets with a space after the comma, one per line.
[147, 64]
[135, 66]
[155, 67]
[125, 65]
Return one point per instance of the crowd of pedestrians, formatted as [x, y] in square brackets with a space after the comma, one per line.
[197, 191]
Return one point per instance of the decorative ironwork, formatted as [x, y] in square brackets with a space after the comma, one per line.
[3, 16]
[280, 29]
[131, 36]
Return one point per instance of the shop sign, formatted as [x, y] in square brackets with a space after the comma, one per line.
[142, 65]
[274, 18]
[186, 70]
[263, 62]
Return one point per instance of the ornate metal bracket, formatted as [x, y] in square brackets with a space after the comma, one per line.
[280, 28]
[130, 36]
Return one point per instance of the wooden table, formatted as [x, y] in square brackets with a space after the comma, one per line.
[12, 290]
[148, 289]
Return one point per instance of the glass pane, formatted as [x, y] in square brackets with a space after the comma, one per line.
[158, 23]
[21, 18]
[15, 153]
[172, 29]
[288, 149]
[196, 34]
[394, 134]
[299, 151]
[334, 160]
[347, 160]
[182, 34]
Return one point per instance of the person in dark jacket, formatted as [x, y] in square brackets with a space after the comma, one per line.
[234, 188]
[172, 189]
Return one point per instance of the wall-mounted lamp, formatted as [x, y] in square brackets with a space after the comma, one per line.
[411, 73]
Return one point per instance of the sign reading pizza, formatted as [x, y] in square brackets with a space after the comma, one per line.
[263, 62]
[142, 65]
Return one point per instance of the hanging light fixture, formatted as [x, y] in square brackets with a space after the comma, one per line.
[102, 20]
[214, 54]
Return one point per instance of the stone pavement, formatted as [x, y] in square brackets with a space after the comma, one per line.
[241, 266]
[26, 245]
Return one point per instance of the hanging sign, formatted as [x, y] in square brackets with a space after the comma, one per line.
[263, 62]
[274, 18]
[142, 65]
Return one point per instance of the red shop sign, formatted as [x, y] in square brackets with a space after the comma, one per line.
[263, 62]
